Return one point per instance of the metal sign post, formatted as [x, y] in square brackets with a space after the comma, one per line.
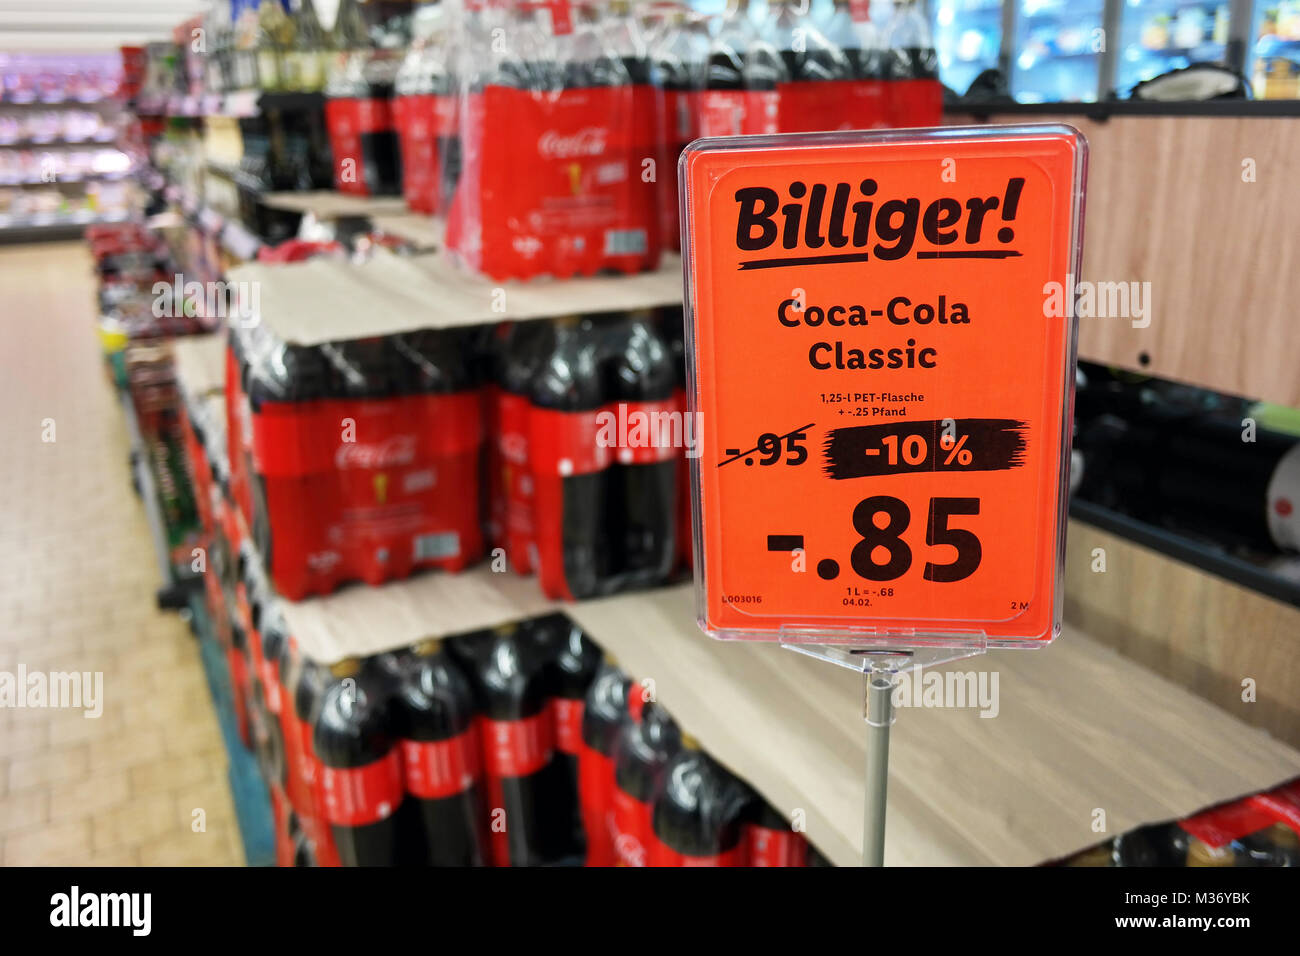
[880, 717]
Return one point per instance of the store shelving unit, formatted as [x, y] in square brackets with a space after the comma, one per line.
[27, 227]
[964, 790]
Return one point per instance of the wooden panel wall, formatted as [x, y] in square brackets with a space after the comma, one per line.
[1191, 627]
[1167, 204]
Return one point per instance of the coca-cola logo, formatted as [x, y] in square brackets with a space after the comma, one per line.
[585, 142]
[395, 451]
[323, 560]
[514, 448]
[629, 849]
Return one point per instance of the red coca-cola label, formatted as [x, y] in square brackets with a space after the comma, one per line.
[912, 103]
[768, 847]
[680, 125]
[631, 828]
[348, 119]
[625, 433]
[1221, 825]
[561, 16]
[296, 787]
[567, 715]
[305, 438]
[562, 195]
[369, 489]
[269, 673]
[828, 105]
[1282, 804]
[723, 113]
[762, 112]
[663, 855]
[567, 443]
[359, 796]
[635, 702]
[421, 120]
[517, 748]
[318, 826]
[238, 433]
[516, 480]
[435, 769]
[595, 800]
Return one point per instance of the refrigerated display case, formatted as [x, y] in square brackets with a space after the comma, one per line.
[1058, 51]
[967, 38]
[1157, 36]
[1274, 60]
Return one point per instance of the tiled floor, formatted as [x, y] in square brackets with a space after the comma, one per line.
[77, 582]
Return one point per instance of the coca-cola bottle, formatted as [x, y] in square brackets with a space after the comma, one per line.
[416, 90]
[361, 767]
[914, 94]
[358, 108]
[770, 840]
[511, 683]
[671, 324]
[604, 714]
[849, 28]
[441, 757]
[566, 193]
[522, 348]
[307, 683]
[644, 748]
[641, 483]
[723, 104]
[678, 65]
[626, 37]
[784, 72]
[573, 661]
[699, 812]
[605, 497]
[298, 781]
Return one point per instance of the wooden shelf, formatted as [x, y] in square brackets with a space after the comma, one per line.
[327, 204]
[1079, 728]
[328, 300]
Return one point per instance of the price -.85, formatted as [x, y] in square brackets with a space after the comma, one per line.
[888, 539]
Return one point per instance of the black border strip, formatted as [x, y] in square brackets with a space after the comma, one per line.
[1245, 109]
[1187, 551]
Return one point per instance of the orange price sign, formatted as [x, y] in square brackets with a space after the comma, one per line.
[882, 363]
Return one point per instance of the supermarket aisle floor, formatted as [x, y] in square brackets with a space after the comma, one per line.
[77, 582]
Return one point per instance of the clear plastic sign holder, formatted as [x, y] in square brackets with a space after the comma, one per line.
[929, 479]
